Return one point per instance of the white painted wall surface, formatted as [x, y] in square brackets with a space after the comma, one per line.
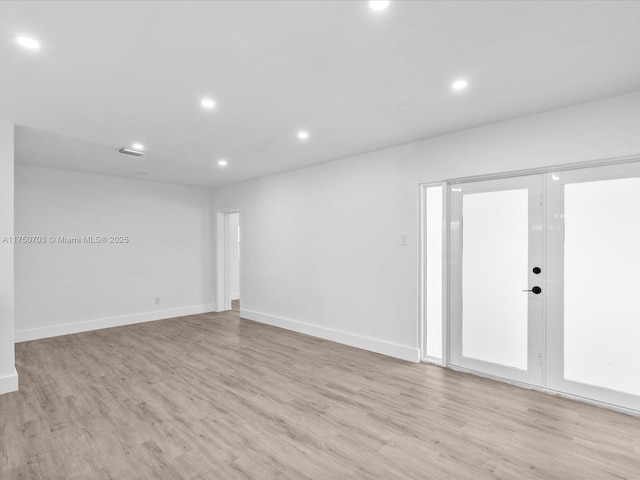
[8, 375]
[234, 256]
[66, 288]
[321, 251]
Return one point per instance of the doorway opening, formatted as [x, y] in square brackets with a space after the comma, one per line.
[228, 260]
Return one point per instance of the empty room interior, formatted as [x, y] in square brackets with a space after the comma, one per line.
[319, 240]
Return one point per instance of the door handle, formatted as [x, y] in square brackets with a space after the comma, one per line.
[537, 290]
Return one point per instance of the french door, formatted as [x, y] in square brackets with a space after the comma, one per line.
[544, 281]
[496, 273]
[593, 268]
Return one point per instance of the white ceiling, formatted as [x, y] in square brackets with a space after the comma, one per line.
[112, 73]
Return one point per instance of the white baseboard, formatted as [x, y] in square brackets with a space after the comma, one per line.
[100, 323]
[402, 352]
[9, 383]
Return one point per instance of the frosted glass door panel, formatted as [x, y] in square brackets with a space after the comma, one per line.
[433, 298]
[494, 273]
[601, 288]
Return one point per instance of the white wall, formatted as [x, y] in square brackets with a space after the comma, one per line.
[66, 288]
[321, 249]
[8, 375]
[234, 256]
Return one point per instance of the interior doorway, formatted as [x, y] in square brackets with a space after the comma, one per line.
[228, 260]
[233, 258]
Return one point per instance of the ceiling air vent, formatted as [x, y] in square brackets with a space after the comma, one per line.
[131, 151]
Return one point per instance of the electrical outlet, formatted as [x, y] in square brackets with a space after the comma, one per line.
[157, 300]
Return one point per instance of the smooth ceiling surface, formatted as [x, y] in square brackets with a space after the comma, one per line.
[112, 73]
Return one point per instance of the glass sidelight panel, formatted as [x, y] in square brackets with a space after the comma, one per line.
[601, 265]
[494, 271]
[433, 280]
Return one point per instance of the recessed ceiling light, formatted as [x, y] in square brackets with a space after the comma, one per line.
[222, 162]
[303, 135]
[207, 103]
[459, 85]
[138, 146]
[131, 151]
[378, 5]
[29, 43]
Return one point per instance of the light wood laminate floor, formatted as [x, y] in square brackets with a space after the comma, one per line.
[215, 397]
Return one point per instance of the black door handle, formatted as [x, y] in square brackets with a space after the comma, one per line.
[537, 290]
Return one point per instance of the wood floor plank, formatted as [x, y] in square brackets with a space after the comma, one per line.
[214, 396]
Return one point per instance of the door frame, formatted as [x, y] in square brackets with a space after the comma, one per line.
[222, 293]
[446, 286]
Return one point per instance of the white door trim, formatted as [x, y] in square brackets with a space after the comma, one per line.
[546, 169]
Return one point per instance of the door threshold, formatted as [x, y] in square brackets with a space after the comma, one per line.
[537, 388]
